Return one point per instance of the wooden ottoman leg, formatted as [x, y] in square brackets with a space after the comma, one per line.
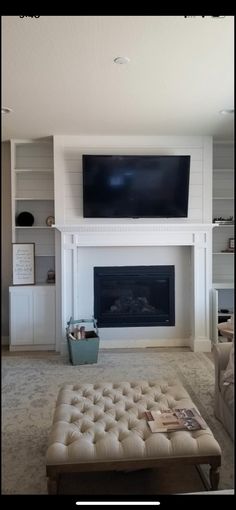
[214, 475]
[53, 484]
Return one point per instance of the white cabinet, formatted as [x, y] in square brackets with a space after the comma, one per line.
[21, 316]
[32, 186]
[32, 317]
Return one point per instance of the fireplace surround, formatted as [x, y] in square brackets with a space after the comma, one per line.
[132, 236]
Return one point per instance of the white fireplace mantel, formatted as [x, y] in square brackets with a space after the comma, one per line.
[142, 233]
[136, 234]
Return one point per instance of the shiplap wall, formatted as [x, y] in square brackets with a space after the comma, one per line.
[68, 152]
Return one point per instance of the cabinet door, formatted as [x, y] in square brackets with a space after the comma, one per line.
[21, 317]
[44, 315]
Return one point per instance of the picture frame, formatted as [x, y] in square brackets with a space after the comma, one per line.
[231, 243]
[23, 262]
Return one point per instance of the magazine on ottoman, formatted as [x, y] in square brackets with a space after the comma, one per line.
[173, 420]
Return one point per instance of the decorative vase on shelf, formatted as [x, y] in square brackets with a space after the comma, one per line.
[25, 219]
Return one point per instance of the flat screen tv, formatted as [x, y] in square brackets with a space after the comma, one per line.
[135, 186]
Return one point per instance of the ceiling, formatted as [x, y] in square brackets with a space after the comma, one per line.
[59, 77]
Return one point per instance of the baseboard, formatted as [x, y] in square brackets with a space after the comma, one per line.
[28, 348]
[134, 344]
[143, 343]
[201, 345]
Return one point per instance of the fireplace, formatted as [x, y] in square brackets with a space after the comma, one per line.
[134, 296]
[186, 246]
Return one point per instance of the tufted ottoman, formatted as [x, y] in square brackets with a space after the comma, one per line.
[102, 427]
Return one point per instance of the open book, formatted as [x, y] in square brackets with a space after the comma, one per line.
[178, 419]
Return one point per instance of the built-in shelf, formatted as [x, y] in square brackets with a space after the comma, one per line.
[225, 314]
[33, 192]
[222, 225]
[223, 170]
[223, 207]
[223, 198]
[219, 284]
[28, 199]
[32, 308]
[222, 261]
[35, 170]
[36, 226]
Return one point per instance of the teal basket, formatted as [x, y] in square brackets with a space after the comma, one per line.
[84, 351]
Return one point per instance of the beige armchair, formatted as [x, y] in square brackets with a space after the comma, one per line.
[227, 328]
[224, 393]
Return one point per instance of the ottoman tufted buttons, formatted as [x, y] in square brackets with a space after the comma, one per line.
[164, 388]
[106, 392]
[73, 419]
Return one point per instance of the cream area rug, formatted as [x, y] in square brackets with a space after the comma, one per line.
[30, 386]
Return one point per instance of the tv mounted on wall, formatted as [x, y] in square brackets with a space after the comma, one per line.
[135, 186]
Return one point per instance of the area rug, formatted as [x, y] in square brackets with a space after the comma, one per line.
[30, 386]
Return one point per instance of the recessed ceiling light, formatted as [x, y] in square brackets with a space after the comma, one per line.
[227, 111]
[121, 60]
[6, 110]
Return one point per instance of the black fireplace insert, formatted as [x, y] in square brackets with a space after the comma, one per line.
[134, 296]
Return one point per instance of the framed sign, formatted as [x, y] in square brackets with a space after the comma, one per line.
[23, 259]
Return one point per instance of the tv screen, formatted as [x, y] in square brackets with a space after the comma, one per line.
[135, 186]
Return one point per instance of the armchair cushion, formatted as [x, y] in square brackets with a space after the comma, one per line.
[228, 377]
[224, 385]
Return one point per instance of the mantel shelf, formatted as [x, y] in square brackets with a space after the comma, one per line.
[134, 227]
